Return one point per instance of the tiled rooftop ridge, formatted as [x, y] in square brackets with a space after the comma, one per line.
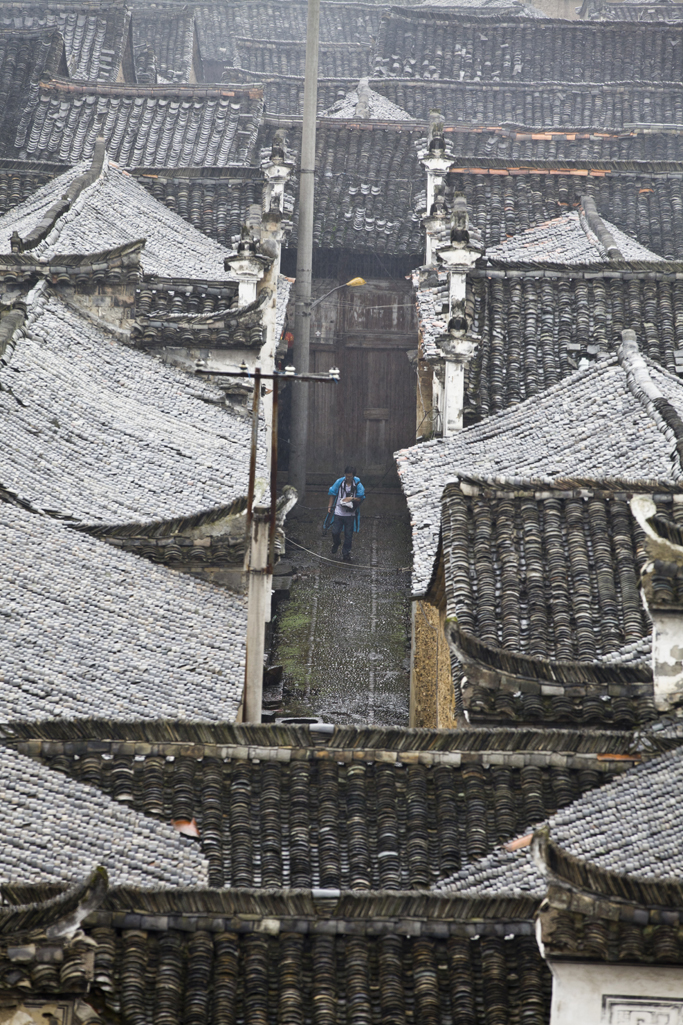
[604, 842]
[432, 814]
[598, 226]
[577, 873]
[364, 102]
[51, 216]
[85, 218]
[534, 111]
[631, 10]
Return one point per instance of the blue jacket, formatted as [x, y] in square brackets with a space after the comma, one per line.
[360, 493]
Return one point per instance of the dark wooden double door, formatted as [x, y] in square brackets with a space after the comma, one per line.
[371, 412]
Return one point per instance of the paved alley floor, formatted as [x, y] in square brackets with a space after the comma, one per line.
[343, 637]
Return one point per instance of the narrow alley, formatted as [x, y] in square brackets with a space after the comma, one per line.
[342, 637]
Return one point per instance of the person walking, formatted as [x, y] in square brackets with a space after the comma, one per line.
[346, 495]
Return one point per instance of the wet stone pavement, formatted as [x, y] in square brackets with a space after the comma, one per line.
[343, 636]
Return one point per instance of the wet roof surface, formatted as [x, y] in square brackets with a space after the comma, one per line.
[630, 826]
[89, 630]
[57, 830]
[107, 435]
[591, 426]
[568, 240]
[173, 248]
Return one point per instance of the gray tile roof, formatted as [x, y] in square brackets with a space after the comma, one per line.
[566, 239]
[172, 126]
[220, 26]
[24, 216]
[462, 804]
[447, 44]
[590, 426]
[367, 180]
[91, 631]
[565, 118]
[174, 248]
[284, 287]
[502, 872]
[552, 595]
[94, 34]
[504, 198]
[631, 654]
[214, 201]
[169, 33]
[106, 435]
[509, 7]
[18, 183]
[631, 10]
[26, 58]
[630, 826]
[55, 830]
[380, 108]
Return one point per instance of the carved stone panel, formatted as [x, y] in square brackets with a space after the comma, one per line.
[618, 1010]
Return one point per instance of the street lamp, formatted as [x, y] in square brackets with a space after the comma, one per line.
[353, 283]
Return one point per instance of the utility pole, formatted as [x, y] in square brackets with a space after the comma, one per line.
[261, 526]
[304, 256]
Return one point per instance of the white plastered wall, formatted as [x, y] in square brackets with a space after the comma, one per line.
[608, 994]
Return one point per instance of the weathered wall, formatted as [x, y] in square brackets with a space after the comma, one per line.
[431, 685]
[602, 994]
[424, 423]
[113, 303]
[568, 9]
[668, 657]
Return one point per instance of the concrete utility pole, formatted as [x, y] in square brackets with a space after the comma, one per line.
[260, 528]
[260, 584]
[304, 257]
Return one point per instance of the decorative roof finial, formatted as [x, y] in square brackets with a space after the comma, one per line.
[247, 242]
[363, 105]
[279, 146]
[436, 125]
[460, 221]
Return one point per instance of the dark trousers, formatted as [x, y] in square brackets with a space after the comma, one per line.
[344, 523]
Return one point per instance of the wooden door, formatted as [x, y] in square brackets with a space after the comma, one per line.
[371, 413]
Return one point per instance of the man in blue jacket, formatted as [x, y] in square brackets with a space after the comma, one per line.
[346, 495]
